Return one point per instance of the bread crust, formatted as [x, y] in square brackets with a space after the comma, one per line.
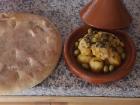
[30, 47]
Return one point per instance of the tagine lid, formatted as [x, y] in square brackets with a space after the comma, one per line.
[106, 14]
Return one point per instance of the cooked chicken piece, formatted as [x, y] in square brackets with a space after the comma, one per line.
[84, 48]
[101, 53]
[107, 54]
[114, 58]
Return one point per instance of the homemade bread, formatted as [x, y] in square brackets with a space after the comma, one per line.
[30, 47]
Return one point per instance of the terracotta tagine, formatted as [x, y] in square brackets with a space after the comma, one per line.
[92, 77]
[103, 15]
[106, 14]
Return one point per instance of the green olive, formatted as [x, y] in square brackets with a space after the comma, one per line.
[106, 69]
[86, 66]
[96, 35]
[111, 68]
[94, 40]
[76, 44]
[96, 66]
[123, 55]
[76, 52]
[83, 58]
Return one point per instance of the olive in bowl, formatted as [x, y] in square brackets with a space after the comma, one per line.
[96, 62]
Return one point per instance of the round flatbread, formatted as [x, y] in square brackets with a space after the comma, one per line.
[30, 47]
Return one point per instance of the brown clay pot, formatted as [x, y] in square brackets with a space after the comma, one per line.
[97, 78]
[106, 14]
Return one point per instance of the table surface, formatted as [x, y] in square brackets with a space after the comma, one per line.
[65, 14]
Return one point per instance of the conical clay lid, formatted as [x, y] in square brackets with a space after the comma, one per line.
[106, 14]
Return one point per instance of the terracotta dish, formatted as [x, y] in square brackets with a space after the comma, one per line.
[92, 77]
[106, 14]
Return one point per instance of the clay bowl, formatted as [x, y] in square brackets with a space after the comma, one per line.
[98, 78]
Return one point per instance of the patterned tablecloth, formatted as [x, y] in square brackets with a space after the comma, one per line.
[65, 14]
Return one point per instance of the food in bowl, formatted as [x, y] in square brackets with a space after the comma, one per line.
[99, 51]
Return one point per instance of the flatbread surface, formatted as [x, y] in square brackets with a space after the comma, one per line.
[30, 47]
